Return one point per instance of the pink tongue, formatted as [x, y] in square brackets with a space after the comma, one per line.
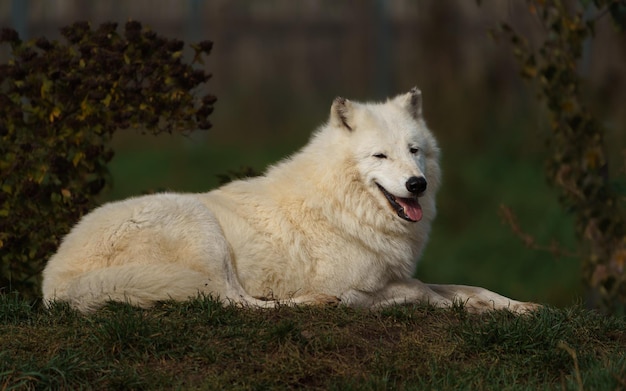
[411, 207]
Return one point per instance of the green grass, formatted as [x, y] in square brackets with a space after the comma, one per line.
[201, 345]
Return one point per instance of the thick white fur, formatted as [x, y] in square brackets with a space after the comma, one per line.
[314, 229]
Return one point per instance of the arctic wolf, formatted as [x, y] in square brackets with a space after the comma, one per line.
[344, 220]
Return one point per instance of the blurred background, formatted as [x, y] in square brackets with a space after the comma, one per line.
[278, 64]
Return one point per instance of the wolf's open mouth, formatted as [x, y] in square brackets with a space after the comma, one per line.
[407, 208]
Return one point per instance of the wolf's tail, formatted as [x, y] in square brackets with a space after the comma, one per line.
[139, 285]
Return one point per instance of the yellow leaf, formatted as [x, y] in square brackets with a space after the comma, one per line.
[77, 158]
[46, 86]
[66, 193]
[529, 71]
[177, 94]
[86, 110]
[43, 170]
[107, 100]
[39, 179]
[54, 114]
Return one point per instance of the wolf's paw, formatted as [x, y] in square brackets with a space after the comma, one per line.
[517, 307]
[325, 300]
[524, 307]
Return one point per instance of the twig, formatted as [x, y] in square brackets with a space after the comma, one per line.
[572, 352]
[529, 241]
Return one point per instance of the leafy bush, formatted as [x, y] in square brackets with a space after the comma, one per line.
[60, 104]
[577, 164]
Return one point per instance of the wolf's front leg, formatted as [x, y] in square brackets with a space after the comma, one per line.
[474, 299]
[478, 299]
[397, 292]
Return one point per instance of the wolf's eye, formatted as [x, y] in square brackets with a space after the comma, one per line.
[380, 156]
[413, 150]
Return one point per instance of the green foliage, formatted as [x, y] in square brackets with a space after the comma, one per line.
[60, 104]
[577, 164]
[199, 344]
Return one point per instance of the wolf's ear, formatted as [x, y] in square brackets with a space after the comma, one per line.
[412, 102]
[342, 113]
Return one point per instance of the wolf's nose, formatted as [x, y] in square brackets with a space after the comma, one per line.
[416, 185]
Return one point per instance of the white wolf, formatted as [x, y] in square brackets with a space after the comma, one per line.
[343, 220]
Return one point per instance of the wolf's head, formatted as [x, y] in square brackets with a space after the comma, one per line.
[394, 152]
